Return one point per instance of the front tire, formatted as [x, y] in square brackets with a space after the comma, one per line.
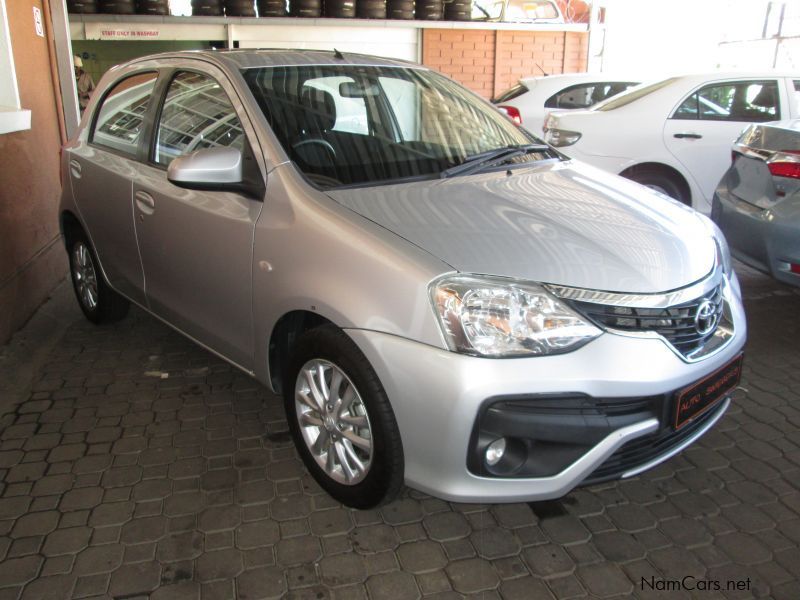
[660, 182]
[99, 303]
[341, 420]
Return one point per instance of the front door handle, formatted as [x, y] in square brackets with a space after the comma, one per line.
[75, 168]
[688, 136]
[145, 203]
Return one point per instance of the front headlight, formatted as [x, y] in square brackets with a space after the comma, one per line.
[498, 317]
[723, 250]
[724, 255]
[561, 137]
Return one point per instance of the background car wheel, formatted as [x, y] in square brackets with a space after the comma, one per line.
[97, 300]
[661, 182]
[341, 420]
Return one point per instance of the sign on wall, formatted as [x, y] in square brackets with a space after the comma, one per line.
[37, 21]
[119, 31]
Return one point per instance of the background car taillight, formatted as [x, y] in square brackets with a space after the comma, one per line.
[561, 137]
[785, 164]
[512, 113]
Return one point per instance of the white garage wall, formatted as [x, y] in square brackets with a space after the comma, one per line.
[392, 42]
[658, 37]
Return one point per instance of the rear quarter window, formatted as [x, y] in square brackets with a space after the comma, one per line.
[585, 95]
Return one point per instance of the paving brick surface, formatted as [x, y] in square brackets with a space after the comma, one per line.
[139, 465]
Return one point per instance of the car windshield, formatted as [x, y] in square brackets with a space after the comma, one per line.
[363, 125]
[633, 94]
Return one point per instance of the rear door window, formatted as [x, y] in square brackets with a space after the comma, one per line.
[745, 101]
[118, 124]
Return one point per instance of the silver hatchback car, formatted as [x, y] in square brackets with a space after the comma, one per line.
[440, 298]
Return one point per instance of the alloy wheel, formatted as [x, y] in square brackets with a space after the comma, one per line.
[85, 275]
[333, 421]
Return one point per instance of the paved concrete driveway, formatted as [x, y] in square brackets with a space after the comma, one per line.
[134, 463]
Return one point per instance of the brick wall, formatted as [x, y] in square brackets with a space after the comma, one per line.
[465, 55]
[489, 62]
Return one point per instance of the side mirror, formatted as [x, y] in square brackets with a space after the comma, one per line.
[215, 169]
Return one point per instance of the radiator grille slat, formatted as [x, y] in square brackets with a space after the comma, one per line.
[676, 324]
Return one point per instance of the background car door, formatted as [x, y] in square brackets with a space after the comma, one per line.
[102, 170]
[701, 130]
[197, 246]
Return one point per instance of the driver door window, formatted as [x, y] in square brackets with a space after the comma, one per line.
[196, 114]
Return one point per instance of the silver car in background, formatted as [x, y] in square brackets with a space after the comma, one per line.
[440, 298]
[757, 202]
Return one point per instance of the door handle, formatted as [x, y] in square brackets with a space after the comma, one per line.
[145, 203]
[75, 168]
[690, 136]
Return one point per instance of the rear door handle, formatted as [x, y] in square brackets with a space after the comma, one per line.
[690, 136]
[75, 168]
[145, 203]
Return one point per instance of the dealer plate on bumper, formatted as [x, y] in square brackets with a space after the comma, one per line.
[699, 397]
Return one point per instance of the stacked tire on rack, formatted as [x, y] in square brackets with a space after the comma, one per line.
[371, 9]
[400, 9]
[429, 10]
[207, 8]
[426, 10]
[305, 8]
[240, 8]
[458, 10]
[82, 7]
[340, 9]
[152, 7]
[116, 7]
[272, 8]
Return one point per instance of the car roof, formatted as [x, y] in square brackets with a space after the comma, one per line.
[577, 77]
[273, 57]
[717, 75]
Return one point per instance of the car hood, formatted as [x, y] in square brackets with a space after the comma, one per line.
[563, 223]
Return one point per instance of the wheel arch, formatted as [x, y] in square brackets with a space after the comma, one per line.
[283, 337]
[70, 227]
[669, 171]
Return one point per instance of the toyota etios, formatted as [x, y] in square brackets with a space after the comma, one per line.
[440, 298]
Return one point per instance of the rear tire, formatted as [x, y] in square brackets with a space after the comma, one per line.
[333, 396]
[660, 182]
[99, 303]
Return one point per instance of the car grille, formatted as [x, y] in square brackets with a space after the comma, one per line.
[642, 450]
[676, 324]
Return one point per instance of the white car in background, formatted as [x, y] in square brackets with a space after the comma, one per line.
[529, 101]
[675, 135]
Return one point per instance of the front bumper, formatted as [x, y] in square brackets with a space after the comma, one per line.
[437, 395]
[766, 239]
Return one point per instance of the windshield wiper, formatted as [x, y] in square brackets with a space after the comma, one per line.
[476, 162]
